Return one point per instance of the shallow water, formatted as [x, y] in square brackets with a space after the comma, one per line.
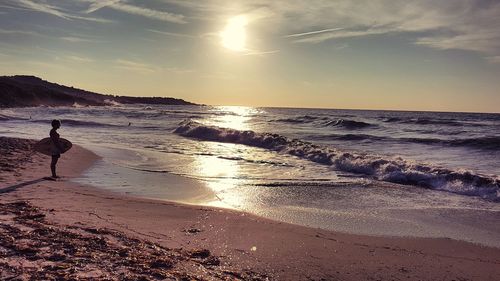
[371, 172]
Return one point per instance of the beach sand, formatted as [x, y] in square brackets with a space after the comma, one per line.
[61, 229]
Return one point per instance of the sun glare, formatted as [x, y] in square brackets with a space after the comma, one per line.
[234, 34]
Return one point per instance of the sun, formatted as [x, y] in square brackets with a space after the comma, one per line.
[234, 34]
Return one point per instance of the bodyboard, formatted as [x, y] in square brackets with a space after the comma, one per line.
[45, 146]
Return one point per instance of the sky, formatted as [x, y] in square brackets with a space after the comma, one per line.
[363, 54]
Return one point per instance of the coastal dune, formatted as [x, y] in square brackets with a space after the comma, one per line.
[61, 229]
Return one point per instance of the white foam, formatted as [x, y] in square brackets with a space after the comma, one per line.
[390, 169]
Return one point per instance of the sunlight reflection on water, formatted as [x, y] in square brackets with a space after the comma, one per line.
[221, 176]
[234, 117]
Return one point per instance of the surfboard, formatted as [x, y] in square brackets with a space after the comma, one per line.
[45, 146]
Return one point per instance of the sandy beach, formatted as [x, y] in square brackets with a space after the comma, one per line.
[60, 229]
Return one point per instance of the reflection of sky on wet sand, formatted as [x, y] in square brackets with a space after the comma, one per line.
[222, 174]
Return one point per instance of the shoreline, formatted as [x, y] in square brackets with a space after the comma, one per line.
[243, 243]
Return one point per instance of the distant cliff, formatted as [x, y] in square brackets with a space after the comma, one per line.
[22, 91]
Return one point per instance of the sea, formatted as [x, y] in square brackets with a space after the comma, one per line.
[374, 172]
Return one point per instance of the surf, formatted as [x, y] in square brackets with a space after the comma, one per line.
[382, 168]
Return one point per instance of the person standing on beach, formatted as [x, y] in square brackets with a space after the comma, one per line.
[56, 147]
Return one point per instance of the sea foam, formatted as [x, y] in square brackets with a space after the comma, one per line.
[390, 169]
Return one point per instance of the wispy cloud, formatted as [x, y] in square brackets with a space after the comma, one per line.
[79, 59]
[481, 41]
[312, 32]
[92, 19]
[149, 13]
[73, 39]
[135, 66]
[136, 10]
[494, 59]
[172, 33]
[259, 53]
[19, 32]
[97, 5]
[318, 38]
[470, 25]
[179, 70]
[144, 68]
[14, 8]
[43, 7]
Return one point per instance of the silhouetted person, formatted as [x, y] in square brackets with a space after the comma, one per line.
[56, 147]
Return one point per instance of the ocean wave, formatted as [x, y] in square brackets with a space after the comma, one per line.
[174, 112]
[79, 123]
[311, 183]
[489, 142]
[395, 170]
[423, 121]
[347, 137]
[110, 102]
[300, 119]
[349, 124]
[426, 121]
[484, 143]
[272, 163]
[4, 117]
[392, 119]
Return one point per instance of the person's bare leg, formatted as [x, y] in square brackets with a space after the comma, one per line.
[53, 166]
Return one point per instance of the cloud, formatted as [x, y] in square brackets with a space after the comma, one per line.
[495, 59]
[172, 33]
[78, 59]
[135, 66]
[318, 38]
[43, 8]
[312, 32]
[179, 70]
[52, 10]
[135, 10]
[260, 53]
[480, 41]
[73, 39]
[99, 20]
[144, 68]
[19, 32]
[470, 25]
[100, 4]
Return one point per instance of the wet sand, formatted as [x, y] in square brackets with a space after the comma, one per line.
[60, 229]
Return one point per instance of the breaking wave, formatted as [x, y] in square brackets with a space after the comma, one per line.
[348, 124]
[424, 121]
[300, 119]
[4, 117]
[395, 170]
[484, 143]
[80, 123]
